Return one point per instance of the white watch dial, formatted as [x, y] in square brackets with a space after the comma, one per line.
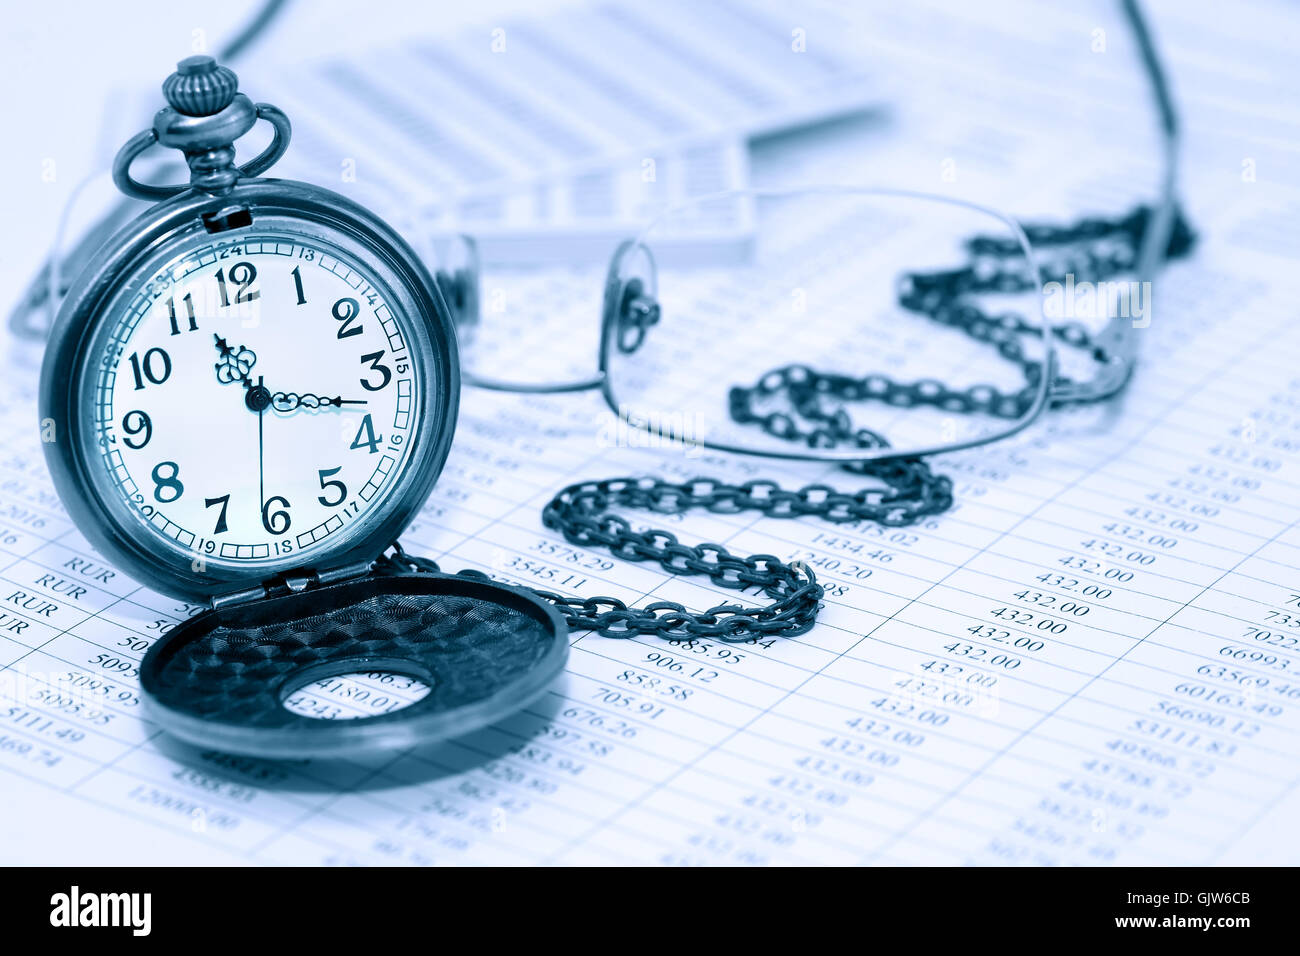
[257, 400]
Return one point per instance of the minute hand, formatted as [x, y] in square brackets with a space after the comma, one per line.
[289, 401]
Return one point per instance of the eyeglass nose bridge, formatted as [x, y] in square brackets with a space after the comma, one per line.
[460, 291]
[637, 312]
[459, 284]
[631, 305]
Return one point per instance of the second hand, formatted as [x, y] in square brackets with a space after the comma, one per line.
[261, 476]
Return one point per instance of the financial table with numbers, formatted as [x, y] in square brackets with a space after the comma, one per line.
[1093, 658]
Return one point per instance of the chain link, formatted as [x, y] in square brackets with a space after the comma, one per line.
[1092, 250]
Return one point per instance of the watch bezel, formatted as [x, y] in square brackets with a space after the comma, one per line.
[315, 213]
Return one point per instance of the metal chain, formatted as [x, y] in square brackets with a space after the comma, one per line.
[1092, 249]
[908, 489]
[908, 492]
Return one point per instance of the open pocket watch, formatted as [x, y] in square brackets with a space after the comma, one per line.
[247, 395]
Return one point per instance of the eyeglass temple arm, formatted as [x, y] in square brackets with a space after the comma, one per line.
[1117, 338]
[1155, 239]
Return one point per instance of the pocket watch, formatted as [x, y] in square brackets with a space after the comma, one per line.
[247, 395]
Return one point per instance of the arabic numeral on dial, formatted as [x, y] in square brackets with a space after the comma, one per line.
[242, 275]
[386, 374]
[366, 437]
[297, 285]
[156, 367]
[276, 522]
[136, 423]
[224, 500]
[342, 488]
[346, 310]
[169, 482]
[189, 313]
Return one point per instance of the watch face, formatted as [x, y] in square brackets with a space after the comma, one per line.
[252, 400]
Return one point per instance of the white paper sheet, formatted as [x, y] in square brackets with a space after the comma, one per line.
[1159, 727]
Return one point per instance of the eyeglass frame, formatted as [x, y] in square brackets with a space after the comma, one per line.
[1116, 340]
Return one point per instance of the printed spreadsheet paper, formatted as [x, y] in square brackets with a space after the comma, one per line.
[931, 716]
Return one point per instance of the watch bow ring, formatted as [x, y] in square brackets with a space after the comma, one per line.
[204, 116]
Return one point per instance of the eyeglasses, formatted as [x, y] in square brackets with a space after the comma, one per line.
[852, 324]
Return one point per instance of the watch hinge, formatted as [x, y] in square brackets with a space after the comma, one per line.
[223, 220]
[291, 582]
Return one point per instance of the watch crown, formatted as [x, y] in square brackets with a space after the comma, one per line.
[200, 87]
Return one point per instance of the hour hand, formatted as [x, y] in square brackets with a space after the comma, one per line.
[235, 363]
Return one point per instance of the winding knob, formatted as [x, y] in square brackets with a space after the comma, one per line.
[200, 87]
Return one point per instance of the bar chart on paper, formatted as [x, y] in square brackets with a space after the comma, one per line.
[562, 138]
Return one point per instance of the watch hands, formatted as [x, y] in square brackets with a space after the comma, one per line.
[236, 365]
[288, 401]
[261, 457]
